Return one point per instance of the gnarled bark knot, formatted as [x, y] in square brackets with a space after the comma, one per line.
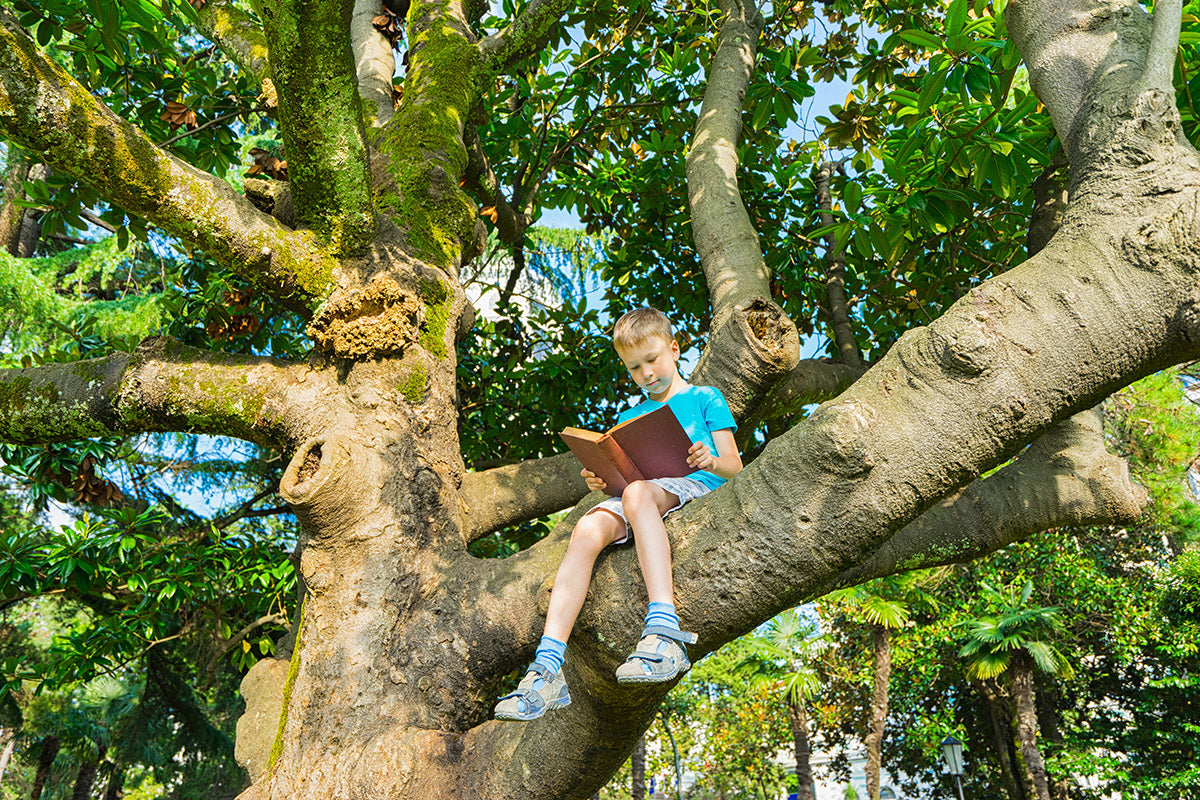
[748, 354]
[381, 318]
[317, 484]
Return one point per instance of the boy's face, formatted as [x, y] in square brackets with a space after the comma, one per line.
[653, 365]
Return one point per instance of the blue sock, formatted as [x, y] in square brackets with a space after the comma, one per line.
[662, 614]
[550, 653]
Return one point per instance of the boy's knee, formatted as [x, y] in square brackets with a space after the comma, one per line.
[638, 493]
[592, 530]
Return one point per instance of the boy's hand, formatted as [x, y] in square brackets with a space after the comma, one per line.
[594, 483]
[699, 456]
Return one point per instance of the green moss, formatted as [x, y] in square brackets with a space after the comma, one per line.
[293, 671]
[13, 394]
[412, 388]
[313, 68]
[423, 141]
[437, 299]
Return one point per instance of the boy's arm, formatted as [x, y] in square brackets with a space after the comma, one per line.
[726, 463]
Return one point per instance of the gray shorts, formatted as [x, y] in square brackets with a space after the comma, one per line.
[686, 489]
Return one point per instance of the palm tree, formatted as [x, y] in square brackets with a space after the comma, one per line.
[784, 654]
[1014, 640]
[883, 604]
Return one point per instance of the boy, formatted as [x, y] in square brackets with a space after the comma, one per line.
[646, 345]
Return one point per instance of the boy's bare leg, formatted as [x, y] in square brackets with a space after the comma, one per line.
[592, 534]
[644, 504]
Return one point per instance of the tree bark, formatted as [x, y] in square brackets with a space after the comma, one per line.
[637, 769]
[1001, 737]
[50, 747]
[30, 230]
[881, 663]
[11, 214]
[87, 776]
[1026, 717]
[798, 718]
[45, 110]
[320, 118]
[835, 274]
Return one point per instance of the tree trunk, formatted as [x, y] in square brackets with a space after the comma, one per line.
[11, 214]
[1026, 710]
[798, 717]
[1001, 738]
[116, 783]
[30, 230]
[637, 770]
[87, 776]
[1050, 724]
[882, 670]
[50, 747]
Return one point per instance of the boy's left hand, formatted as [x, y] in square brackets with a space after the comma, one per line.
[699, 456]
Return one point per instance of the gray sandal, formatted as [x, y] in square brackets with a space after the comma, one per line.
[660, 656]
[528, 703]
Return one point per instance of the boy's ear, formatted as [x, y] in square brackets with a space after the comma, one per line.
[675, 349]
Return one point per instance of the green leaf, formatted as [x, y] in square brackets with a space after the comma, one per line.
[956, 17]
[932, 88]
[852, 196]
[922, 39]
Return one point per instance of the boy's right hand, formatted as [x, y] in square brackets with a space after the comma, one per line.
[594, 482]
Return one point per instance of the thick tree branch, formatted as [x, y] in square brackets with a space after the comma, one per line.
[813, 380]
[163, 386]
[45, 110]
[1064, 478]
[518, 493]
[374, 61]
[835, 273]
[239, 36]
[321, 119]
[725, 239]
[1086, 57]
[523, 37]
[745, 357]
[1159, 73]
[422, 157]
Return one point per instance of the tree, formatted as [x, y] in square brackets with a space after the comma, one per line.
[1015, 640]
[404, 636]
[783, 655]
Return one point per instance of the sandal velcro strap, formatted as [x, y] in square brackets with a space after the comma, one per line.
[540, 671]
[669, 633]
[643, 655]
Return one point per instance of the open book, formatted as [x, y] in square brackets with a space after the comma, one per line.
[653, 445]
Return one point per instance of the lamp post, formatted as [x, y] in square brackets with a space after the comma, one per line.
[952, 754]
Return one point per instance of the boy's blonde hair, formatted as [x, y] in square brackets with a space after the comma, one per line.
[635, 327]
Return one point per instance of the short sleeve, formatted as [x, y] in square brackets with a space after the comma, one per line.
[717, 415]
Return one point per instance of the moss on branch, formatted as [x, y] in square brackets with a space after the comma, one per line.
[321, 118]
[164, 386]
[423, 143]
[44, 109]
[237, 34]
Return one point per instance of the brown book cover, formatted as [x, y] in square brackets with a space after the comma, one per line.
[653, 445]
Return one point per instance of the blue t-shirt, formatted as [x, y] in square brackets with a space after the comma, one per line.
[700, 410]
